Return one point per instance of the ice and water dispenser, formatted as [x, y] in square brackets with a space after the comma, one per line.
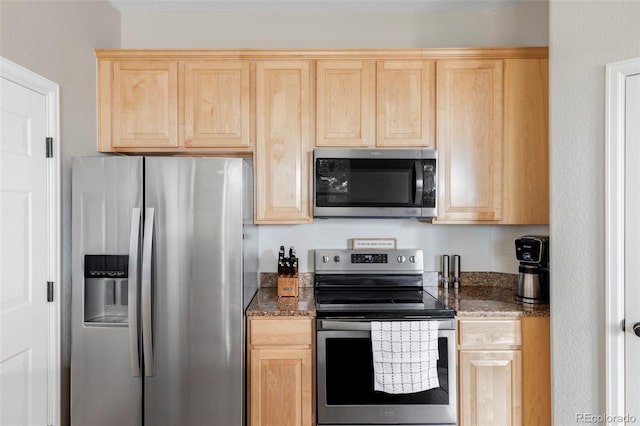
[106, 290]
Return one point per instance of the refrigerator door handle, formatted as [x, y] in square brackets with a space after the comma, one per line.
[147, 326]
[134, 254]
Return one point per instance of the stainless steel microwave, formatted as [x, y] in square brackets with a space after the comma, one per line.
[375, 182]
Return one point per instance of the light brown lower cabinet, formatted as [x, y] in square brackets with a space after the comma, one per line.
[536, 371]
[490, 388]
[281, 385]
[504, 372]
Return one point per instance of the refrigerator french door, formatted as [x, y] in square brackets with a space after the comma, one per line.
[164, 265]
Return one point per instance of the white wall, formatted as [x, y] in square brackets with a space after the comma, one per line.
[525, 24]
[583, 37]
[56, 40]
[483, 248]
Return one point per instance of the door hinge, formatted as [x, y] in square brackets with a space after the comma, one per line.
[49, 142]
[49, 291]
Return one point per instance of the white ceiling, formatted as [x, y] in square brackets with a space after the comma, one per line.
[264, 6]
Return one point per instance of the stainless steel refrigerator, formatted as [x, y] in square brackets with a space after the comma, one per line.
[164, 265]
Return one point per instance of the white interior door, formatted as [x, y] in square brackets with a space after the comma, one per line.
[24, 265]
[632, 252]
[622, 242]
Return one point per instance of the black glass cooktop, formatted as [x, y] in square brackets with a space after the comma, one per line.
[371, 302]
[354, 297]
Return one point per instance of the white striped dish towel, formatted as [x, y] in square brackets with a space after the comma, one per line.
[405, 356]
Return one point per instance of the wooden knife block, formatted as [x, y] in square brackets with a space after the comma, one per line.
[286, 303]
[287, 286]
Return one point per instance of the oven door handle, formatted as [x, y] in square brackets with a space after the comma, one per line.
[344, 325]
[366, 325]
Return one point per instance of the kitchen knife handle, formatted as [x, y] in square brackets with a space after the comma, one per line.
[134, 261]
[419, 183]
[147, 313]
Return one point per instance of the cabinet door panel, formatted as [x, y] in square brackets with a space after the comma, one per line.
[405, 103]
[536, 371]
[282, 142]
[217, 104]
[470, 139]
[490, 388]
[281, 387]
[526, 141]
[345, 92]
[145, 104]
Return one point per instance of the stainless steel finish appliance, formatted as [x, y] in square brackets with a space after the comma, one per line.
[164, 264]
[533, 279]
[354, 288]
[375, 182]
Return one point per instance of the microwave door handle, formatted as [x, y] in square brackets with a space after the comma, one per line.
[419, 183]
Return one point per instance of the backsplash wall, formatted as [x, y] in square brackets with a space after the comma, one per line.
[481, 247]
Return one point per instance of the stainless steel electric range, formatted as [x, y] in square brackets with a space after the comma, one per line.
[353, 288]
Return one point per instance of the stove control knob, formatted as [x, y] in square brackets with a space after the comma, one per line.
[325, 259]
[336, 258]
[401, 259]
[412, 259]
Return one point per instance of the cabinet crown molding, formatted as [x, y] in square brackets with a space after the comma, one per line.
[540, 52]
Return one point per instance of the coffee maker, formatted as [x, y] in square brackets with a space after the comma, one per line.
[533, 279]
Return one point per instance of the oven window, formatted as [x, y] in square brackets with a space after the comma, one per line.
[349, 370]
[365, 183]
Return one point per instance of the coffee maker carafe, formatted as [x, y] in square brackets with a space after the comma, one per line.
[533, 279]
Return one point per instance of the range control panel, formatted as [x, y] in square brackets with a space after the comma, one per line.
[369, 258]
[408, 261]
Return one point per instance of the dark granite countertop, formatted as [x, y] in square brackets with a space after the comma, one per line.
[484, 295]
[266, 303]
[485, 301]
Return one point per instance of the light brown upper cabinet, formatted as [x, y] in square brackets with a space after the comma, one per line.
[283, 142]
[405, 103]
[485, 110]
[346, 103]
[139, 107]
[526, 141]
[470, 154]
[217, 104]
[375, 103]
[493, 143]
[174, 106]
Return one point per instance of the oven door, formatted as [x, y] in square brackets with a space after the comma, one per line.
[345, 380]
